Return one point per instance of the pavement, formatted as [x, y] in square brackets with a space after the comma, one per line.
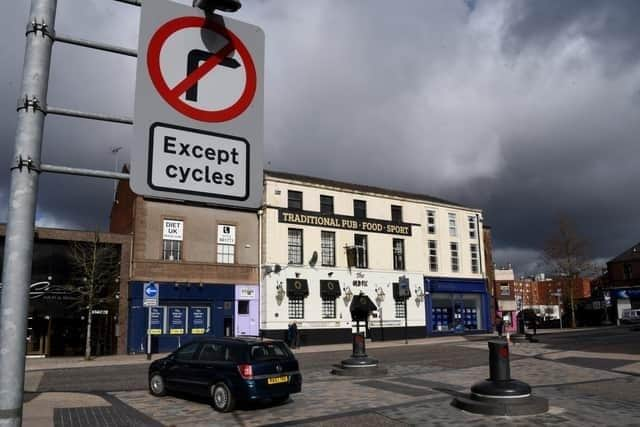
[411, 394]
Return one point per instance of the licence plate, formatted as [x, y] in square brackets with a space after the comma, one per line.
[278, 380]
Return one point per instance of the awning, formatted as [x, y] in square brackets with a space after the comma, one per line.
[297, 288]
[330, 289]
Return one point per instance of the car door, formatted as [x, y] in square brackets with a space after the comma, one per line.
[213, 365]
[178, 374]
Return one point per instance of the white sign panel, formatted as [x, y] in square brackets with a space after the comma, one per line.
[150, 294]
[199, 107]
[227, 234]
[172, 230]
[247, 293]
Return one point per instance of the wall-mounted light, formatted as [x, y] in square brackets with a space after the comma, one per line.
[380, 292]
[297, 275]
[330, 273]
[279, 291]
[419, 294]
[347, 293]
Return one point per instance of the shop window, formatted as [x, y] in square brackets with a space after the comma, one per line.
[328, 248]
[243, 307]
[455, 266]
[433, 255]
[360, 209]
[296, 308]
[171, 250]
[295, 246]
[328, 308]
[472, 227]
[294, 200]
[396, 213]
[453, 232]
[400, 309]
[475, 265]
[360, 242]
[398, 254]
[326, 205]
[431, 222]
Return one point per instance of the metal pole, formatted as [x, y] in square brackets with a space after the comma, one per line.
[406, 339]
[18, 249]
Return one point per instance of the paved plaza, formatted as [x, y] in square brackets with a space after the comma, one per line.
[583, 388]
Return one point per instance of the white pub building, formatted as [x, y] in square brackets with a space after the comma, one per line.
[324, 242]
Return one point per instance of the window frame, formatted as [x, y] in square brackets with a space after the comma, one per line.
[289, 246]
[323, 205]
[453, 224]
[396, 213]
[295, 308]
[433, 255]
[328, 306]
[455, 259]
[291, 199]
[359, 209]
[166, 253]
[323, 233]
[399, 255]
[473, 227]
[400, 308]
[475, 259]
[431, 221]
[365, 251]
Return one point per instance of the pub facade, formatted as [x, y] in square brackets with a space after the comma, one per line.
[326, 242]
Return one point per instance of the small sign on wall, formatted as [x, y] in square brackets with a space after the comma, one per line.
[172, 230]
[177, 320]
[227, 234]
[247, 293]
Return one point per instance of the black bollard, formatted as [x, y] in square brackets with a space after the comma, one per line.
[499, 366]
[359, 345]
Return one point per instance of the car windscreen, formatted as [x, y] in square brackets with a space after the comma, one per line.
[269, 351]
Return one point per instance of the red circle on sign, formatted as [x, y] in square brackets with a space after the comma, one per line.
[173, 97]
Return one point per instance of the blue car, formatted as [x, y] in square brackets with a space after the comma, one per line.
[228, 370]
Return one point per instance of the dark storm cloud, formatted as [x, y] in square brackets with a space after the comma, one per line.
[526, 110]
[611, 27]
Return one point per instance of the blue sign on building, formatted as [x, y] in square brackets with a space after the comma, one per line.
[150, 293]
[198, 319]
[156, 320]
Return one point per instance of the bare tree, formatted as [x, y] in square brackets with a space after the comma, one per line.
[95, 267]
[566, 253]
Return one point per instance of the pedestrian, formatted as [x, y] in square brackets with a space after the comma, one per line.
[295, 336]
[290, 334]
[499, 325]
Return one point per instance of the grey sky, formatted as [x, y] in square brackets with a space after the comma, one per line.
[526, 109]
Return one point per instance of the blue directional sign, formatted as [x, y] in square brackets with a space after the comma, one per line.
[150, 294]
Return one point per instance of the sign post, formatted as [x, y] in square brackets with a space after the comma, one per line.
[150, 296]
[198, 108]
[405, 292]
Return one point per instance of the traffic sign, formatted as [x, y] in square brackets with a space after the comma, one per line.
[150, 294]
[199, 107]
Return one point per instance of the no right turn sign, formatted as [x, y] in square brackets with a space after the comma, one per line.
[199, 107]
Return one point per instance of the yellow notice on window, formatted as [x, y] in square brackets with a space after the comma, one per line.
[176, 331]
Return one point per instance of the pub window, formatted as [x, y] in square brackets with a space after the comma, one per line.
[294, 200]
[472, 227]
[455, 266]
[396, 213]
[475, 266]
[398, 254]
[400, 309]
[171, 250]
[328, 248]
[360, 243]
[328, 308]
[295, 246]
[359, 209]
[296, 308]
[431, 222]
[433, 255]
[326, 205]
[452, 225]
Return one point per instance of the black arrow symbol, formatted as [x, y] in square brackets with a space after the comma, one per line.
[194, 58]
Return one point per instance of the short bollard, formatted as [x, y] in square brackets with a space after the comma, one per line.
[499, 394]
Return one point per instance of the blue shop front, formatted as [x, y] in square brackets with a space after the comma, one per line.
[185, 311]
[456, 306]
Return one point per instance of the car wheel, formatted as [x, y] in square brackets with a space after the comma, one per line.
[156, 385]
[223, 400]
[280, 399]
